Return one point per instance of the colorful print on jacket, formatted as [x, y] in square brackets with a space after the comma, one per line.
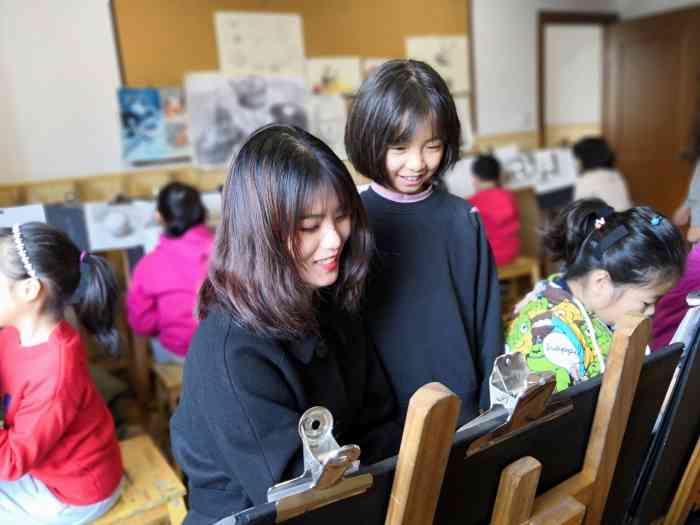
[552, 332]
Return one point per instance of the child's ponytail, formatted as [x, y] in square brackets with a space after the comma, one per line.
[70, 277]
[94, 300]
[570, 229]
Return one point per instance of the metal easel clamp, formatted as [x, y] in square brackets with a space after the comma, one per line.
[325, 462]
[519, 399]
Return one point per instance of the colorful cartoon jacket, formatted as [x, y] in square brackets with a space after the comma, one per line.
[556, 333]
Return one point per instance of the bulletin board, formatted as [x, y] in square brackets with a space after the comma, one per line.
[158, 41]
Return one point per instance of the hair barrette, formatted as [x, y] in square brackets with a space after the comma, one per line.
[22, 252]
[599, 223]
[656, 220]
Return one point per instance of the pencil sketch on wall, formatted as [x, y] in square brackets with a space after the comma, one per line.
[328, 115]
[259, 43]
[446, 54]
[225, 110]
[117, 226]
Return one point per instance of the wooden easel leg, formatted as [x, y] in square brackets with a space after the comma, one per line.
[516, 492]
[568, 512]
[425, 447]
[687, 490]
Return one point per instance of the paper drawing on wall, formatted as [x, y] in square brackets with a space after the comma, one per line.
[333, 75]
[465, 121]
[328, 115]
[546, 170]
[369, 64]
[21, 214]
[117, 226]
[259, 43]
[154, 125]
[448, 55]
[225, 110]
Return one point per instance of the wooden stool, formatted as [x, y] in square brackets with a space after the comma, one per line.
[152, 494]
[521, 266]
[168, 384]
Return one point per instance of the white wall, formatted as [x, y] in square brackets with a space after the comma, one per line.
[59, 75]
[505, 55]
[573, 73]
[635, 8]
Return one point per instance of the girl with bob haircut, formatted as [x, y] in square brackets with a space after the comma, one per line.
[614, 263]
[163, 290]
[279, 330]
[433, 302]
[59, 456]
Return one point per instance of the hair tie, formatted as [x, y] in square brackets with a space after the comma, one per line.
[599, 223]
[83, 255]
[656, 220]
[19, 244]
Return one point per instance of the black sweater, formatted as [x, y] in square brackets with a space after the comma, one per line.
[235, 430]
[433, 299]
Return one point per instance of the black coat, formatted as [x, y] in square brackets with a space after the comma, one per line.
[235, 430]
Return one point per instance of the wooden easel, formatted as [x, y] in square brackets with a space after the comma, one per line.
[582, 498]
[427, 437]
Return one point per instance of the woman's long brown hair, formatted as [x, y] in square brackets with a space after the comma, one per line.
[252, 275]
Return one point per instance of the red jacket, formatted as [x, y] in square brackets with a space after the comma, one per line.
[57, 427]
[499, 213]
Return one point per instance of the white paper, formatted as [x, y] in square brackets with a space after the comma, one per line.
[448, 55]
[333, 75]
[546, 170]
[458, 180]
[212, 202]
[465, 121]
[328, 115]
[259, 43]
[225, 110]
[117, 226]
[21, 214]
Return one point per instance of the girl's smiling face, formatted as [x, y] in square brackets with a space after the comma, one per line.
[411, 165]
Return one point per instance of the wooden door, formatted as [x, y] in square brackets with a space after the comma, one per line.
[651, 95]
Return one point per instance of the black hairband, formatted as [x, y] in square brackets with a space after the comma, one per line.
[609, 239]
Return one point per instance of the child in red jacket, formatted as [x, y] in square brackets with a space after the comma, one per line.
[59, 456]
[498, 209]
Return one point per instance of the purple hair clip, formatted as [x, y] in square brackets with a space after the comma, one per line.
[83, 254]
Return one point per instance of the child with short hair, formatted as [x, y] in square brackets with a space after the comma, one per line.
[598, 177]
[59, 456]
[433, 304]
[281, 330]
[614, 263]
[163, 291]
[498, 209]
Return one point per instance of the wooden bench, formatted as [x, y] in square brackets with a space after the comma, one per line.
[168, 384]
[152, 493]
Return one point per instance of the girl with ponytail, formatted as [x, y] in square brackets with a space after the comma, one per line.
[59, 455]
[614, 263]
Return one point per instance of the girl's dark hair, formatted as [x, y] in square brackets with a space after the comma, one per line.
[181, 207]
[397, 96]
[637, 246]
[487, 168]
[271, 184]
[89, 285]
[594, 153]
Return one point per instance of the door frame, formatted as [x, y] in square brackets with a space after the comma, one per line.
[546, 18]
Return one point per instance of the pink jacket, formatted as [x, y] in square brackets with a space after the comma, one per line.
[163, 292]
